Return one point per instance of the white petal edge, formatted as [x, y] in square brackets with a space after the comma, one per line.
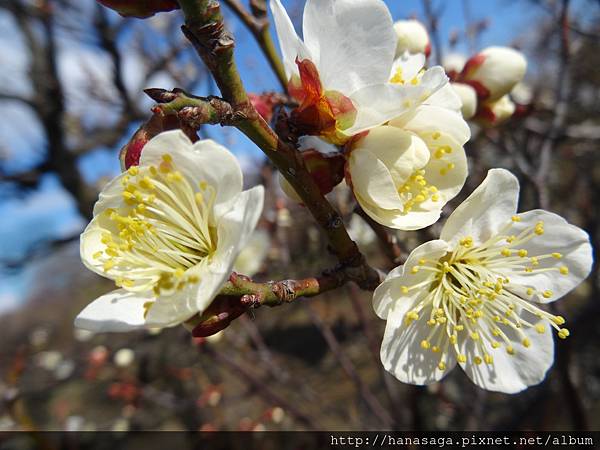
[388, 294]
[402, 355]
[559, 236]
[203, 161]
[486, 210]
[511, 373]
[352, 42]
[117, 311]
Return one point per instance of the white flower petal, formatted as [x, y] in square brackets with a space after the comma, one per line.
[237, 225]
[352, 42]
[402, 355]
[389, 294]
[116, 311]
[204, 161]
[486, 210]
[409, 65]
[429, 119]
[510, 373]
[252, 256]
[380, 103]
[314, 143]
[448, 98]
[290, 44]
[395, 218]
[559, 237]
[372, 180]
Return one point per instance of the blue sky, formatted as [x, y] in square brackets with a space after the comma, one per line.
[50, 213]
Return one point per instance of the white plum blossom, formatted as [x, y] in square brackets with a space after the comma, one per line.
[476, 295]
[404, 173]
[412, 37]
[167, 232]
[340, 72]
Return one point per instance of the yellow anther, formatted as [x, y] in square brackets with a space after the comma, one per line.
[526, 343]
[414, 81]
[436, 135]
[461, 358]
[539, 228]
[495, 344]
[167, 158]
[467, 242]
[451, 166]
[133, 171]
[459, 327]
[541, 329]
[419, 198]
[528, 269]
[547, 294]
[179, 273]
[431, 322]
[453, 339]
[435, 349]
[515, 218]
[412, 315]
[414, 270]
[474, 335]
[488, 358]
[404, 289]
[439, 153]
[534, 261]
[425, 344]
[193, 279]
[153, 171]
[563, 333]
[147, 307]
[146, 183]
[557, 255]
[97, 255]
[443, 171]
[558, 320]
[506, 252]
[511, 239]
[477, 360]
[108, 265]
[510, 350]
[422, 262]
[522, 253]
[442, 365]
[564, 270]
[435, 198]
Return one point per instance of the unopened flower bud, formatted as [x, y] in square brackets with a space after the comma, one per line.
[492, 114]
[264, 104]
[131, 152]
[494, 72]
[218, 316]
[453, 64]
[468, 97]
[140, 9]
[324, 163]
[412, 37]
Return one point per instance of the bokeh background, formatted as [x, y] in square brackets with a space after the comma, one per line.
[71, 80]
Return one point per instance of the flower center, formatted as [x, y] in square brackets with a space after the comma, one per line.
[470, 293]
[415, 191]
[162, 230]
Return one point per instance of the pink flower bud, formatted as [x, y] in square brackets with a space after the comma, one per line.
[140, 9]
[494, 72]
[412, 37]
[131, 152]
[492, 114]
